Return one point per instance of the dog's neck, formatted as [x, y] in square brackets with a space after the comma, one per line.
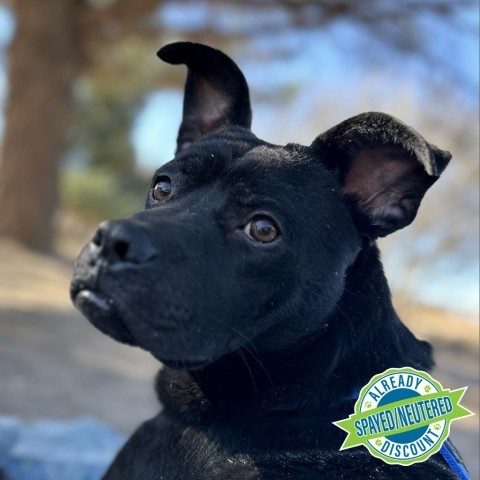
[364, 337]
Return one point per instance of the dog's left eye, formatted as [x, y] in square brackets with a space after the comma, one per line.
[162, 188]
[262, 229]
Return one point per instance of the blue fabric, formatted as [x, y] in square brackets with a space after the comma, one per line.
[50, 450]
[451, 456]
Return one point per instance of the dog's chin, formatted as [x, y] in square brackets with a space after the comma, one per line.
[100, 311]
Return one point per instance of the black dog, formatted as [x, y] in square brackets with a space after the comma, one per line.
[254, 277]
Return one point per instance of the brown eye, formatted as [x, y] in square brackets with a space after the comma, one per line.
[262, 229]
[162, 188]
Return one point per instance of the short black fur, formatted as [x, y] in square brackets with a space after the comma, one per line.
[263, 344]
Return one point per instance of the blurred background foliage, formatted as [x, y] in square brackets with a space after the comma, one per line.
[90, 112]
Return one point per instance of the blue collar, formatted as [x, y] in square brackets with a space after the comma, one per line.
[454, 461]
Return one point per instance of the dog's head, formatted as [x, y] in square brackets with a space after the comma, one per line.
[244, 242]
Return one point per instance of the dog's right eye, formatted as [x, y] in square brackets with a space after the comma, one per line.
[162, 188]
[262, 229]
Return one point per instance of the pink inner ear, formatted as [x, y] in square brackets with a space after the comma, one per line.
[210, 112]
[214, 106]
[379, 177]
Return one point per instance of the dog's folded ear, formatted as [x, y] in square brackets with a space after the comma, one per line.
[216, 92]
[384, 168]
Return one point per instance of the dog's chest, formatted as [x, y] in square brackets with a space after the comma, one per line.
[161, 450]
[206, 456]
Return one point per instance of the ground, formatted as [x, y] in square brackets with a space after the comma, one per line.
[54, 364]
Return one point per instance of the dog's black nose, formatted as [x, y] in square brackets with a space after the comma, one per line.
[122, 241]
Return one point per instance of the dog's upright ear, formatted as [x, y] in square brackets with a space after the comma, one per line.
[384, 168]
[216, 92]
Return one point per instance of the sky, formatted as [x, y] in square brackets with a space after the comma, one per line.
[6, 33]
[321, 62]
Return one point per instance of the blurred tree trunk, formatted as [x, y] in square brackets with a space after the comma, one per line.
[43, 64]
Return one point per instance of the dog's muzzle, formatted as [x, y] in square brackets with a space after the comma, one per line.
[116, 247]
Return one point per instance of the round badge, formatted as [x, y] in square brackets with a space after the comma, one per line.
[402, 416]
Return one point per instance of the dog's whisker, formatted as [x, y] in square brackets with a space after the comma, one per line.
[242, 356]
[353, 294]
[254, 354]
[251, 349]
[337, 307]
[183, 335]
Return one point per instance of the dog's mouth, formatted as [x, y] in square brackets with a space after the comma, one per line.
[102, 313]
[94, 299]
